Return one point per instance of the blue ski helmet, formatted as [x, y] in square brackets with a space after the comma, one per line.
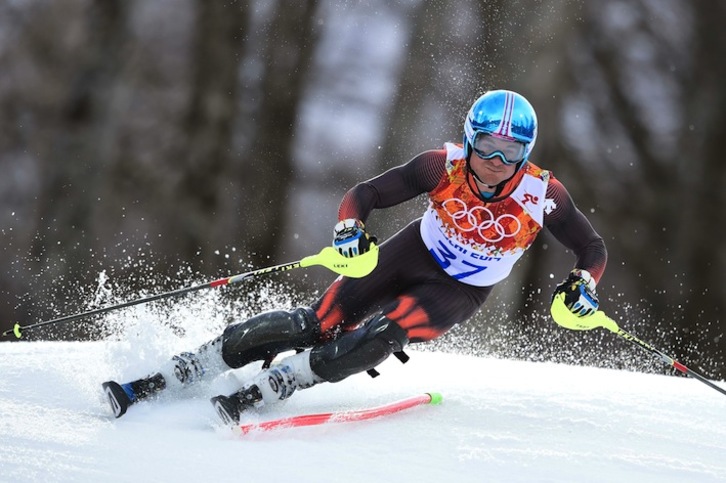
[503, 114]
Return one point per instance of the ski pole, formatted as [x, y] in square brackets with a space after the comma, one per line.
[567, 319]
[355, 267]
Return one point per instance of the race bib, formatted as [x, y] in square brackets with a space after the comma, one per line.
[461, 260]
[478, 242]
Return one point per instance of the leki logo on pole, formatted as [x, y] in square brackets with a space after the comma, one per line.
[480, 218]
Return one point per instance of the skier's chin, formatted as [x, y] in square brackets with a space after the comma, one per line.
[491, 178]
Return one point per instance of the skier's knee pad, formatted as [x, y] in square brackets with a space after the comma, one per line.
[269, 333]
[359, 350]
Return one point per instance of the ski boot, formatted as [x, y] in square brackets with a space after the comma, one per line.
[229, 408]
[121, 396]
[180, 371]
[270, 386]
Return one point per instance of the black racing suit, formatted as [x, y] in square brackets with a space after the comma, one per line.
[408, 286]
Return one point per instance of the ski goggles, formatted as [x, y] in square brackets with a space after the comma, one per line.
[487, 146]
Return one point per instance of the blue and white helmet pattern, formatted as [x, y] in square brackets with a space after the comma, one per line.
[504, 114]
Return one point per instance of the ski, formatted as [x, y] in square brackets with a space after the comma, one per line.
[340, 416]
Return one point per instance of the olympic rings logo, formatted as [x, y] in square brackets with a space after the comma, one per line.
[466, 220]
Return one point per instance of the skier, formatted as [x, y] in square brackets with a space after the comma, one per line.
[487, 203]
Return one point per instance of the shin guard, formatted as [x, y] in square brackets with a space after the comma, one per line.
[269, 333]
[359, 350]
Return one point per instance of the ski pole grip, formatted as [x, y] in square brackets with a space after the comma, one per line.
[565, 318]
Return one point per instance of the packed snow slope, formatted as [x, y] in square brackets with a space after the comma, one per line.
[500, 421]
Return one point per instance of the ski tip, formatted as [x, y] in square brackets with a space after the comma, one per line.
[436, 398]
[117, 397]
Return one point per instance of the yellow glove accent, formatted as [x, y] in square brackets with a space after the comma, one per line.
[565, 318]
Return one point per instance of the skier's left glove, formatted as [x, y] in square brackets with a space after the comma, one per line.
[351, 239]
[579, 291]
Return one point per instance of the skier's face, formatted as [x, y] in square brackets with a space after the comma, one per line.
[493, 171]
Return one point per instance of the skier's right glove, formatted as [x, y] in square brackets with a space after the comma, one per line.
[351, 239]
[579, 291]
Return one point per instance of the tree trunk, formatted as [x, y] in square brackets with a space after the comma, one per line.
[268, 170]
[77, 160]
[196, 204]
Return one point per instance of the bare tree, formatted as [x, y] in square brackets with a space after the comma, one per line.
[193, 208]
[700, 152]
[71, 157]
[267, 169]
[626, 126]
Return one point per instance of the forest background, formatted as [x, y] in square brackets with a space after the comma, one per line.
[147, 145]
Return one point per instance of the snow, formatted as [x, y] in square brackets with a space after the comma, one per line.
[500, 420]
